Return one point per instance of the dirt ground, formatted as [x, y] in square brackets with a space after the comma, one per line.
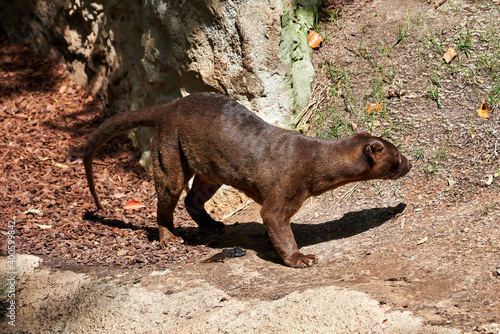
[417, 255]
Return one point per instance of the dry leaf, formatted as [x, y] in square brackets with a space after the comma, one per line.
[449, 55]
[484, 110]
[122, 252]
[439, 3]
[34, 211]
[132, 205]
[424, 239]
[314, 39]
[191, 260]
[395, 92]
[451, 182]
[44, 226]
[60, 165]
[372, 108]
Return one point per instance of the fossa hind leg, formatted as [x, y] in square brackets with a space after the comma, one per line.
[167, 201]
[200, 193]
[170, 176]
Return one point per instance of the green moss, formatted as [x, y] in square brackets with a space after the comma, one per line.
[295, 50]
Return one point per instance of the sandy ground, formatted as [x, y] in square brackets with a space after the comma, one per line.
[183, 300]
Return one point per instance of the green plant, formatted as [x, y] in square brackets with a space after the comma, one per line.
[378, 88]
[337, 130]
[434, 87]
[346, 92]
[493, 97]
[438, 46]
[369, 119]
[316, 24]
[489, 62]
[401, 36]
[334, 131]
[418, 154]
[390, 74]
[441, 153]
[487, 208]
[363, 51]
[435, 79]
[383, 50]
[434, 94]
[333, 125]
[433, 163]
[454, 5]
[431, 168]
[471, 77]
[465, 41]
[335, 74]
[387, 132]
[417, 18]
[341, 86]
[334, 18]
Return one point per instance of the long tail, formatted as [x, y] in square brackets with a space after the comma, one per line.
[109, 129]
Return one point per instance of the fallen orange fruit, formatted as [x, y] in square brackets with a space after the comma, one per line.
[314, 39]
[131, 205]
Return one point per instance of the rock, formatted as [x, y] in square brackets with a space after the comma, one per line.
[226, 201]
[298, 18]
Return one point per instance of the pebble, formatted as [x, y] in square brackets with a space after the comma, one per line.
[235, 252]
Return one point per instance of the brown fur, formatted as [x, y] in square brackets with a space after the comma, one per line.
[219, 141]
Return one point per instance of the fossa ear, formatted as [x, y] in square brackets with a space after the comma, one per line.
[372, 149]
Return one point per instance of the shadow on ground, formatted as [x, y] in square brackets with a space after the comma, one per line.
[250, 235]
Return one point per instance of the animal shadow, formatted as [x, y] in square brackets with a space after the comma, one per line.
[250, 235]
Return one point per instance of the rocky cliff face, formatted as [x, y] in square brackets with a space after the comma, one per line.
[133, 54]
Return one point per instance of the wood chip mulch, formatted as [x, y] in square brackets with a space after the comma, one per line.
[44, 120]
